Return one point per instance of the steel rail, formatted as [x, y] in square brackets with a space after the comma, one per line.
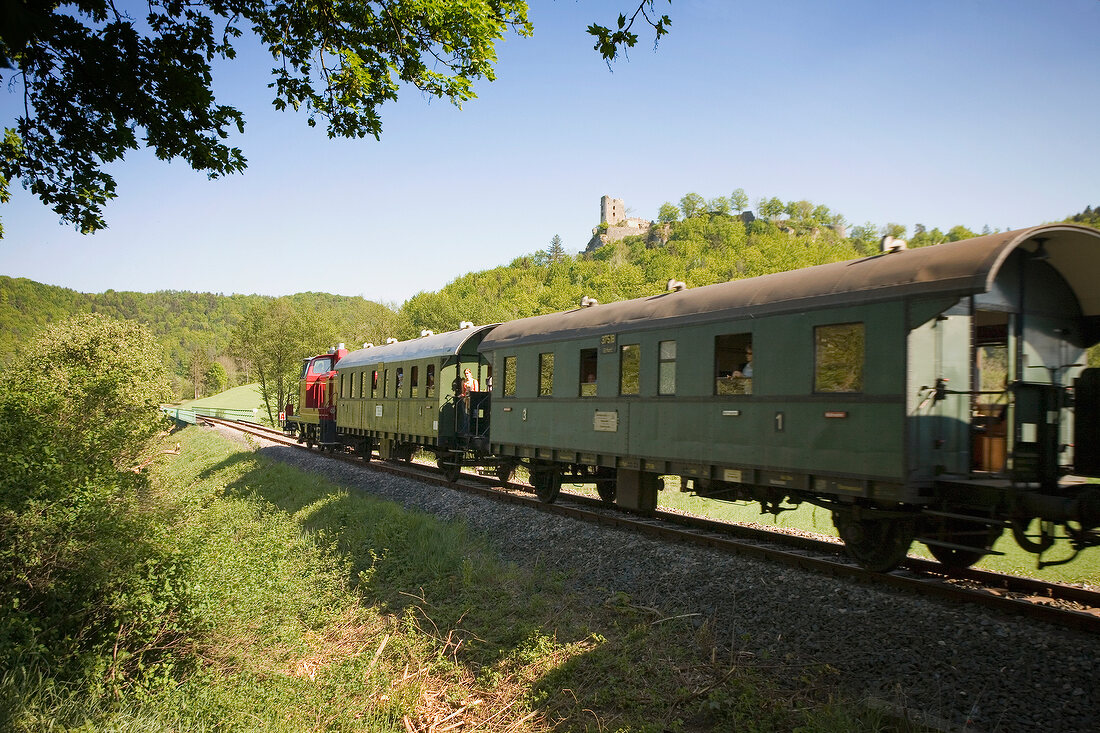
[1054, 603]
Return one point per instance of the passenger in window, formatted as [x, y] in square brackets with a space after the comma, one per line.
[469, 385]
[745, 372]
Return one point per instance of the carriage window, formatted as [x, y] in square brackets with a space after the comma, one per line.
[374, 384]
[429, 381]
[509, 376]
[588, 372]
[385, 382]
[546, 375]
[630, 362]
[362, 384]
[733, 364]
[666, 368]
[838, 358]
[400, 381]
[341, 381]
[414, 381]
[991, 351]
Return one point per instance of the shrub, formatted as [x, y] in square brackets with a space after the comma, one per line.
[87, 591]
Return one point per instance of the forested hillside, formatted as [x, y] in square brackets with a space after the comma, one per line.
[704, 249]
[195, 330]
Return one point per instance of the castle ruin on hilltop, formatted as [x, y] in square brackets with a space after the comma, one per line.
[615, 225]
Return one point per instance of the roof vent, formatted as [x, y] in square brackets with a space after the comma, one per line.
[368, 345]
[587, 302]
[427, 332]
[891, 244]
[465, 325]
[391, 340]
[332, 349]
[675, 285]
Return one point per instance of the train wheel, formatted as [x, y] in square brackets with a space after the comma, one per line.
[504, 473]
[606, 486]
[607, 492]
[450, 466]
[547, 483]
[963, 533]
[876, 544]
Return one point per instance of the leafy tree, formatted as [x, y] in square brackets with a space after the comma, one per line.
[865, 237]
[956, 233]
[556, 251]
[823, 217]
[215, 380]
[610, 42]
[800, 212]
[692, 204]
[273, 338]
[738, 200]
[894, 230]
[200, 363]
[770, 209]
[668, 213]
[109, 374]
[718, 205]
[98, 83]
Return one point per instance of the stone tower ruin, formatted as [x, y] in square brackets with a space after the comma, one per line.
[612, 210]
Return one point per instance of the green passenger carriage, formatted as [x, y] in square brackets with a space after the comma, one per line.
[918, 394]
[405, 395]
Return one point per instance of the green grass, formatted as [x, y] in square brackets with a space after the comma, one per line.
[245, 397]
[330, 610]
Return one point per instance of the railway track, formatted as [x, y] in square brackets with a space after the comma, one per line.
[1054, 603]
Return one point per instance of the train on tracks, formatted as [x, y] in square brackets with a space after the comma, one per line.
[938, 395]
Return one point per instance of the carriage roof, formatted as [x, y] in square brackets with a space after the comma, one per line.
[449, 343]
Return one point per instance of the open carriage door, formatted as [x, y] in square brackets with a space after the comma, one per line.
[990, 399]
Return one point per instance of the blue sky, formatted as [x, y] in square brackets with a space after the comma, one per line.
[941, 112]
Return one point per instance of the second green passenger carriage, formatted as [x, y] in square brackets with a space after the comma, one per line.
[405, 395]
